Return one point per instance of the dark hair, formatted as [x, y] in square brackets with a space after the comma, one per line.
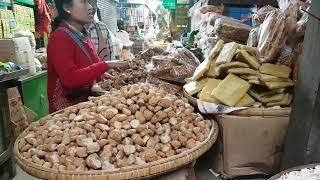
[62, 14]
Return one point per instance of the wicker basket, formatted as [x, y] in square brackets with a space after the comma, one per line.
[298, 168]
[133, 172]
[249, 111]
[192, 100]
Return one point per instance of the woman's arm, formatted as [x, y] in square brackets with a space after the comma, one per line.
[61, 55]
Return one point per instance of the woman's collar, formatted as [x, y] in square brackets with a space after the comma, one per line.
[83, 35]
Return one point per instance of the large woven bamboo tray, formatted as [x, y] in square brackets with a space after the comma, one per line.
[132, 172]
[249, 111]
[298, 168]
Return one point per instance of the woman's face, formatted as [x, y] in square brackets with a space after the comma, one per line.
[81, 11]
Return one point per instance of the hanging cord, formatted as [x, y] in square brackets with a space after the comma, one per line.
[309, 13]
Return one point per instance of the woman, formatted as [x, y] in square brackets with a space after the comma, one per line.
[73, 63]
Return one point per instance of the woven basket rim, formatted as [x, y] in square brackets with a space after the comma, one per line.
[297, 168]
[21, 161]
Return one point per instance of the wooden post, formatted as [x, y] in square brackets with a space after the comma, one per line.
[303, 139]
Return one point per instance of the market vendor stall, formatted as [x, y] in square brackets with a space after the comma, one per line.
[228, 94]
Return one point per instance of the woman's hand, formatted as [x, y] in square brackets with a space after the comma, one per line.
[116, 64]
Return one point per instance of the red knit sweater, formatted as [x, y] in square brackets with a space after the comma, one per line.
[70, 71]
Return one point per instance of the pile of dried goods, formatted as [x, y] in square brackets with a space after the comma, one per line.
[234, 76]
[132, 126]
[130, 76]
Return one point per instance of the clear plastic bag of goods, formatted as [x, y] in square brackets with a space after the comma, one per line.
[178, 65]
[279, 28]
[187, 56]
[261, 14]
[283, 3]
[149, 53]
[29, 55]
[273, 36]
[195, 15]
[294, 14]
[211, 42]
[210, 8]
[230, 30]
[286, 56]
[30, 35]
[205, 20]
[215, 16]
[253, 37]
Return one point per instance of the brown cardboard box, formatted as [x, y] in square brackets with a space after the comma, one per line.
[20, 116]
[250, 145]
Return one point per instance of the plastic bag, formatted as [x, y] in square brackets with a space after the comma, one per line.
[286, 56]
[124, 38]
[230, 30]
[253, 37]
[195, 15]
[261, 14]
[30, 35]
[273, 36]
[149, 53]
[176, 66]
[283, 3]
